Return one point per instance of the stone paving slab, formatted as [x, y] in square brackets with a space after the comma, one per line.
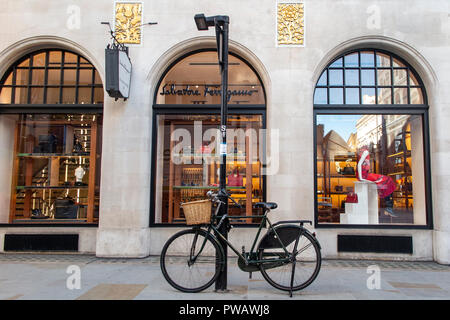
[45, 277]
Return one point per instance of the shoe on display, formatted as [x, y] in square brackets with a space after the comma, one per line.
[37, 214]
[389, 212]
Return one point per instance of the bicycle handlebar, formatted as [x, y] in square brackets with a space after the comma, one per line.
[215, 197]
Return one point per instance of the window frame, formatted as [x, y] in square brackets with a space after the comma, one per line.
[363, 109]
[195, 109]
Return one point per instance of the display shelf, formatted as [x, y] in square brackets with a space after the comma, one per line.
[42, 165]
[328, 177]
[49, 155]
[400, 168]
[50, 187]
[204, 187]
[50, 220]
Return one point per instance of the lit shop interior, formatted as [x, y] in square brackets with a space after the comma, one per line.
[186, 122]
[52, 101]
[369, 165]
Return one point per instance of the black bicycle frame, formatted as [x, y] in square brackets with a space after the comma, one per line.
[264, 218]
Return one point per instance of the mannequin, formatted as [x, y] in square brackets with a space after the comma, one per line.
[79, 174]
[385, 184]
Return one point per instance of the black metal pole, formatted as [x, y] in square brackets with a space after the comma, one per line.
[222, 49]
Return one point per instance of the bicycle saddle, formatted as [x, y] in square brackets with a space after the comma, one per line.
[266, 205]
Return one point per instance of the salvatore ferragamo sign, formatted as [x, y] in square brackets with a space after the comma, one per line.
[205, 91]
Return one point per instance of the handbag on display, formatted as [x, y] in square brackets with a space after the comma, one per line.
[338, 188]
[348, 170]
[65, 209]
[235, 180]
[47, 144]
[351, 198]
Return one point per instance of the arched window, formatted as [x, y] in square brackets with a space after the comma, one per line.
[186, 119]
[368, 77]
[371, 120]
[51, 77]
[51, 104]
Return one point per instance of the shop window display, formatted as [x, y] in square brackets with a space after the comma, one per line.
[55, 166]
[376, 158]
[189, 161]
[186, 148]
[370, 166]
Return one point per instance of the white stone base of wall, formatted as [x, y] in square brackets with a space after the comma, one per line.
[441, 246]
[123, 243]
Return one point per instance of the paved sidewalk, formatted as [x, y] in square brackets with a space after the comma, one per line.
[44, 277]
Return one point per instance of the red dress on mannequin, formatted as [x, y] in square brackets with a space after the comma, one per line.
[385, 185]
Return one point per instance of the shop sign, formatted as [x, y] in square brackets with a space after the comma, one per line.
[208, 90]
[118, 73]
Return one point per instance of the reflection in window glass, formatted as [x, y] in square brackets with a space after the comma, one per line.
[381, 79]
[351, 60]
[337, 64]
[336, 77]
[384, 96]
[38, 76]
[54, 77]
[55, 57]
[377, 157]
[397, 63]
[367, 59]
[22, 76]
[351, 77]
[188, 168]
[368, 95]
[39, 60]
[400, 95]
[400, 77]
[384, 77]
[368, 77]
[383, 60]
[21, 96]
[37, 96]
[336, 96]
[352, 95]
[412, 80]
[322, 80]
[320, 96]
[5, 95]
[416, 96]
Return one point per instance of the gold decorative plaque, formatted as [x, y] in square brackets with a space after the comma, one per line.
[128, 16]
[290, 24]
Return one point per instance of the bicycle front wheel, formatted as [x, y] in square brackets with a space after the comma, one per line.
[300, 270]
[189, 259]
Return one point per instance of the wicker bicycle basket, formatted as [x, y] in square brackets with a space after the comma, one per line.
[197, 212]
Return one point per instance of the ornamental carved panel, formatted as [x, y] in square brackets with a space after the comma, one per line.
[290, 24]
[128, 22]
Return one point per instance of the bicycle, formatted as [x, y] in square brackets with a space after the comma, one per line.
[288, 255]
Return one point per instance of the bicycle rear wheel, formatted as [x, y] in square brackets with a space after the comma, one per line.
[189, 258]
[301, 271]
